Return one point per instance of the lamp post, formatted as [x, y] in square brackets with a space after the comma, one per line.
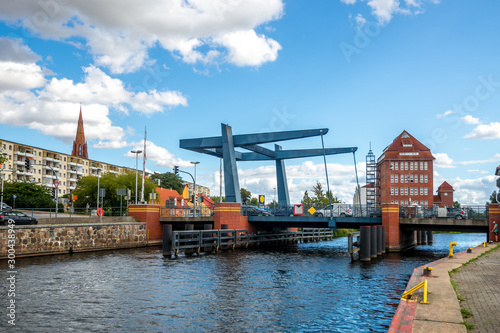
[1, 175]
[274, 198]
[136, 152]
[98, 177]
[194, 187]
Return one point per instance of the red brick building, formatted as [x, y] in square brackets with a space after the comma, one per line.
[405, 173]
[444, 197]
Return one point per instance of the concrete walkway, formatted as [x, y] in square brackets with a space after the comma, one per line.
[478, 284]
[443, 313]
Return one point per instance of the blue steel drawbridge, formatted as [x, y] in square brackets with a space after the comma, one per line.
[224, 147]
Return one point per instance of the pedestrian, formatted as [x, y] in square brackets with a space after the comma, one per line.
[495, 230]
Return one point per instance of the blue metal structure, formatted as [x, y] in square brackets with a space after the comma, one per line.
[224, 147]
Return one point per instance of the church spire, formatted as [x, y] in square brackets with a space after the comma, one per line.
[79, 144]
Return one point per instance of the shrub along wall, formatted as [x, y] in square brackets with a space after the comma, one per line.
[52, 239]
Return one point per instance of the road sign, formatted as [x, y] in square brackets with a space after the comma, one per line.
[102, 192]
[262, 199]
[14, 196]
[56, 184]
[498, 182]
[99, 211]
[312, 210]
[121, 191]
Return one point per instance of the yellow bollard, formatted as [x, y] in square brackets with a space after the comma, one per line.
[425, 293]
[452, 244]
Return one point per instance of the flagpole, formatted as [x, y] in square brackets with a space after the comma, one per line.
[143, 166]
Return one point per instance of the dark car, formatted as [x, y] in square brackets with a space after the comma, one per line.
[457, 213]
[18, 217]
[283, 211]
[5, 207]
[254, 211]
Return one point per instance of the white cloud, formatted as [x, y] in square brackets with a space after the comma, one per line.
[384, 10]
[349, 2]
[446, 113]
[479, 172]
[486, 131]
[468, 119]
[360, 21]
[159, 155]
[119, 38]
[246, 48]
[443, 161]
[470, 191]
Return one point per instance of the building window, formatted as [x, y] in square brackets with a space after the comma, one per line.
[421, 191]
[406, 203]
[411, 178]
[38, 179]
[426, 178]
[402, 179]
[426, 203]
[392, 190]
[425, 190]
[406, 165]
[396, 202]
[396, 179]
[392, 178]
[396, 166]
[402, 190]
[392, 166]
[425, 165]
[396, 191]
[411, 166]
[406, 190]
[411, 190]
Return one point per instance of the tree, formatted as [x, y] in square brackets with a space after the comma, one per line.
[493, 197]
[215, 199]
[456, 204]
[169, 180]
[307, 201]
[28, 195]
[86, 189]
[245, 195]
[253, 202]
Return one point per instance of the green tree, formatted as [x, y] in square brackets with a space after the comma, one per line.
[215, 199]
[307, 201]
[28, 195]
[86, 189]
[493, 197]
[169, 180]
[253, 202]
[456, 204]
[245, 195]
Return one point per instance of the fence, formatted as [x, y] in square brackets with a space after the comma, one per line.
[185, 211]
[196, 241]
[72, 212]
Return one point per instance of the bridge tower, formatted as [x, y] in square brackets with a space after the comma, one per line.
[371, 174]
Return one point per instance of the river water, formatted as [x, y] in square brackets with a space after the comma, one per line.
[310, 287]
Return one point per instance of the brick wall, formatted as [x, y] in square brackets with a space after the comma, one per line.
[151, 215]
[494, 216]
[393, 234]
[230, 213]
[45, 239]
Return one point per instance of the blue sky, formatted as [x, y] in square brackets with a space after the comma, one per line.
[367, 70]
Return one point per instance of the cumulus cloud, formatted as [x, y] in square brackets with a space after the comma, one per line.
[119, 38]
[446, 113]
[384, 10]
[360, 21]
[158, 155]
[485, 131]
[53, 108]
[468, 119]
[470, 191]
[443, 161]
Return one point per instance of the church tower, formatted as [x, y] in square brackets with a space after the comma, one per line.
[79, 144]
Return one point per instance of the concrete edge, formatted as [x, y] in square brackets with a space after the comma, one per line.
[39, 226]
[404, 317]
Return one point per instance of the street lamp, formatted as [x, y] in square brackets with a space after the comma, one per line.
[98, 177]
[1, 175]
[136, 152]
[194, 187]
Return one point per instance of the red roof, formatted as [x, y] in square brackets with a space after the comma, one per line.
[406, 143]
[445, 187]
[165, 194]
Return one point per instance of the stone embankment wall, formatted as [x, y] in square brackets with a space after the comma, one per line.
[52, 239]
[85, 219]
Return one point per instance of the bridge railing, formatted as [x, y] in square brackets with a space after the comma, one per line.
[185, 211]
[463, 212]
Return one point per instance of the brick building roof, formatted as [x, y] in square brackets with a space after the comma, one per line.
[406, 143]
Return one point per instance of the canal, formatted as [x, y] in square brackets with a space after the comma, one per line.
[310, 287]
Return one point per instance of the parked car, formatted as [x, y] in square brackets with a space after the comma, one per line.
[254, 211]
[5, 207]
[457, 213]
[283, 211]
[18, 217]
[336, 210]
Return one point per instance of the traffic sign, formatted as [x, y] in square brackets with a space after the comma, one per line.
[56, 184]
[262, 199]
[14, 196]
[99, 211]
[498, 182]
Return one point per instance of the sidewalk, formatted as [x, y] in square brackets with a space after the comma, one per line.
[443, 314]
[479, 285]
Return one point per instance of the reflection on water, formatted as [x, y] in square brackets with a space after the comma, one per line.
[311, 287]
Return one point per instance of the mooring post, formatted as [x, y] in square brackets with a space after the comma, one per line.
[419, 237]
[167, 240]
[364, 246]
[373, 241]
[379, 240]
[383, 238]
[429, 237]
[207, 227]
[188, 239]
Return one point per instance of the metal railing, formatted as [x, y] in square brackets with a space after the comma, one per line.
[72, 212]
[184, 211]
